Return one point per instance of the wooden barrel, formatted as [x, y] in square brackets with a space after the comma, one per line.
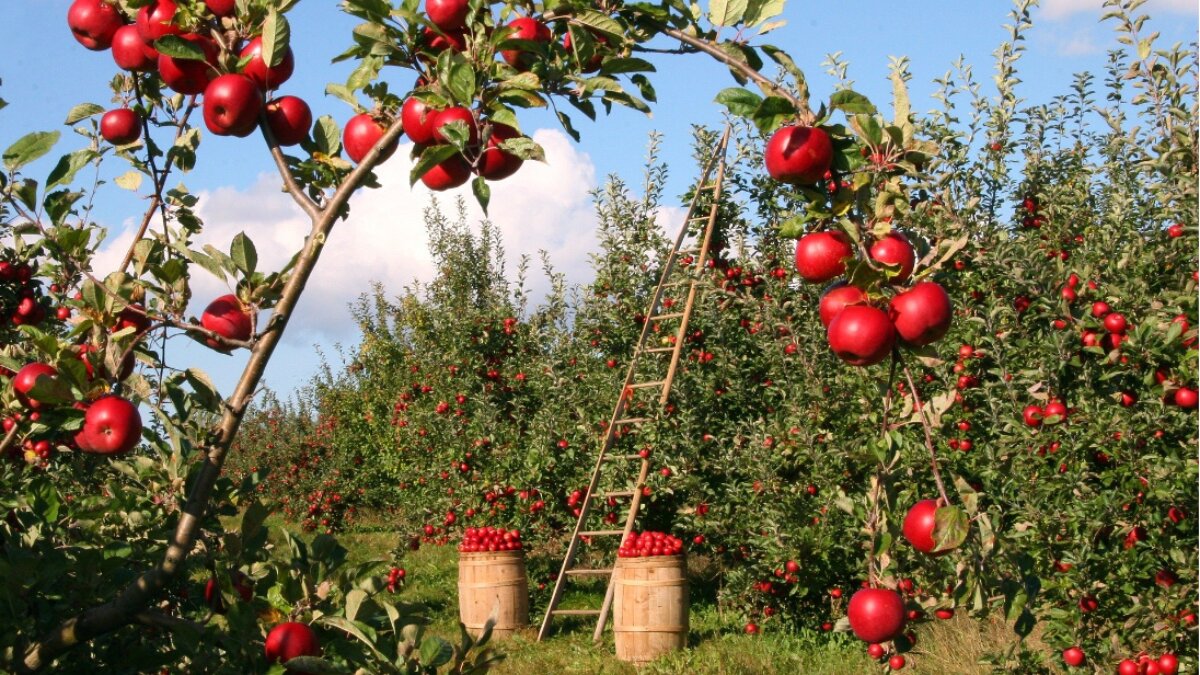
[650, 607]
[487, 578]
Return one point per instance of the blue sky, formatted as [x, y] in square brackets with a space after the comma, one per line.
[45, 72]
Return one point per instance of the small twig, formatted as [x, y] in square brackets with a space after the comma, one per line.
[933, 460]
[9, 438]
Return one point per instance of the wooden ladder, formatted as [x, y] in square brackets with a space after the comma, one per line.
[710, 183]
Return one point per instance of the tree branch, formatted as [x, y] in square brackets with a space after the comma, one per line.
[289, 181]
[933, 460]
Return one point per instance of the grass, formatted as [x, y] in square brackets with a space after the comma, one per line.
[715, 646]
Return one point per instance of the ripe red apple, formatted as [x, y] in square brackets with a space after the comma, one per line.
[922, 314]
[93, 23]
[1055, 411]
[361, 134]
[895, 249]
[155, 20]
[837, 297]
[1073, 657]
[288, 640]
[418, 118]
[212, 591]
[1128, 667]
[130, 51]
[876, 614]
[1168, 664]
[897, 662]
[799, 155]
[495, 163]
[919, 525]
[111, 426]
[132, 316]
[1115, 323]
[221, 8]
[448, 14]
[121, 126]
[861, 335]
[821, 256]
[449, 174]
[231, 105]
[455, 40]
[875, 651]
[184, 75]
[256, 68]
[1175, 230]
[289, 118]
[524, 28]
[1185, 397]
[1100, 309]
[226, 317]
[26, 377]
[455, 114]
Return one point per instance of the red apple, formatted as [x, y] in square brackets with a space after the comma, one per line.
[231, 105]
[1185, 397]
[221, 8]
[821, 256]
[524, 28]
[130, 51]
[861, 335]
[1175, 230]
[289, 118]
[919, 525]
[24, 380]
[212, 591]
[454, 40]
[1115, 323]
[361, 134]
[922, 314]
[418, 118]
[876, 614]
[448, 14]
[1168, 664]
[111, 426]
[1055, 411]
[1100, 309]
[185, 75]
[226, 317]
[288, 640]
[837, 297]
[132, 316]
[155, 20]
[1128, 667]
[449, 174]
[895, 249]
[93, 23]
[897, 662]
[495, 163]
[121, 126]
[266, 77]
[1073, 657]
[799, 155]
[455, 114]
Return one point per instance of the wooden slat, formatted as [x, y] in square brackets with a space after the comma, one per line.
[575, 612]
[643, 385]
[601, 533]
[664, 317]
[593, 572]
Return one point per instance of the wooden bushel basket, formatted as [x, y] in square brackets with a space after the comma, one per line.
[486, 580]
[650, 607]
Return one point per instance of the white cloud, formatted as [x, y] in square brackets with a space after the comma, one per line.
[1057, 9]
[544, 206]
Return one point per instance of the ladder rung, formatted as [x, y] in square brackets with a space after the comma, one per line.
[618, 493]
[621, 458]
[662, 317]
[659, 350]
[688, 251]
[644, 385]
[633, 420]
[576, 612]
[591, 572]
[708, 186]
[601, 533]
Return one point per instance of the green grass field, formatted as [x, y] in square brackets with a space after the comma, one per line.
[716, 645]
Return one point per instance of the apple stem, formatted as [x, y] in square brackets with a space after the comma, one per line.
[933, 459]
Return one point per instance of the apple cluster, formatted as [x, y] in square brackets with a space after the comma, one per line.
[647, 544]
[396, 577]
[233, 97]
[111, 424]
[489, 540]
[1144, 664]
[20, 303]
[859, 332]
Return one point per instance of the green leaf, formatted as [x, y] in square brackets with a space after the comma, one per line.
[28, 148]
[178, 48]
[459, 79]
[629, 65]
[435, 652]
[275, 36]
[58, 205]
[82, 112]
[243, 253]
[130, 180]
[759, 11]
[430, 157]
[951, 528]
[739, 101]
[203, 387]
[483, 193]
[726, 12]
[354, 601]
[603, 24]
[851, 102]
[344, 93]
[327, 136]
[68, 165]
